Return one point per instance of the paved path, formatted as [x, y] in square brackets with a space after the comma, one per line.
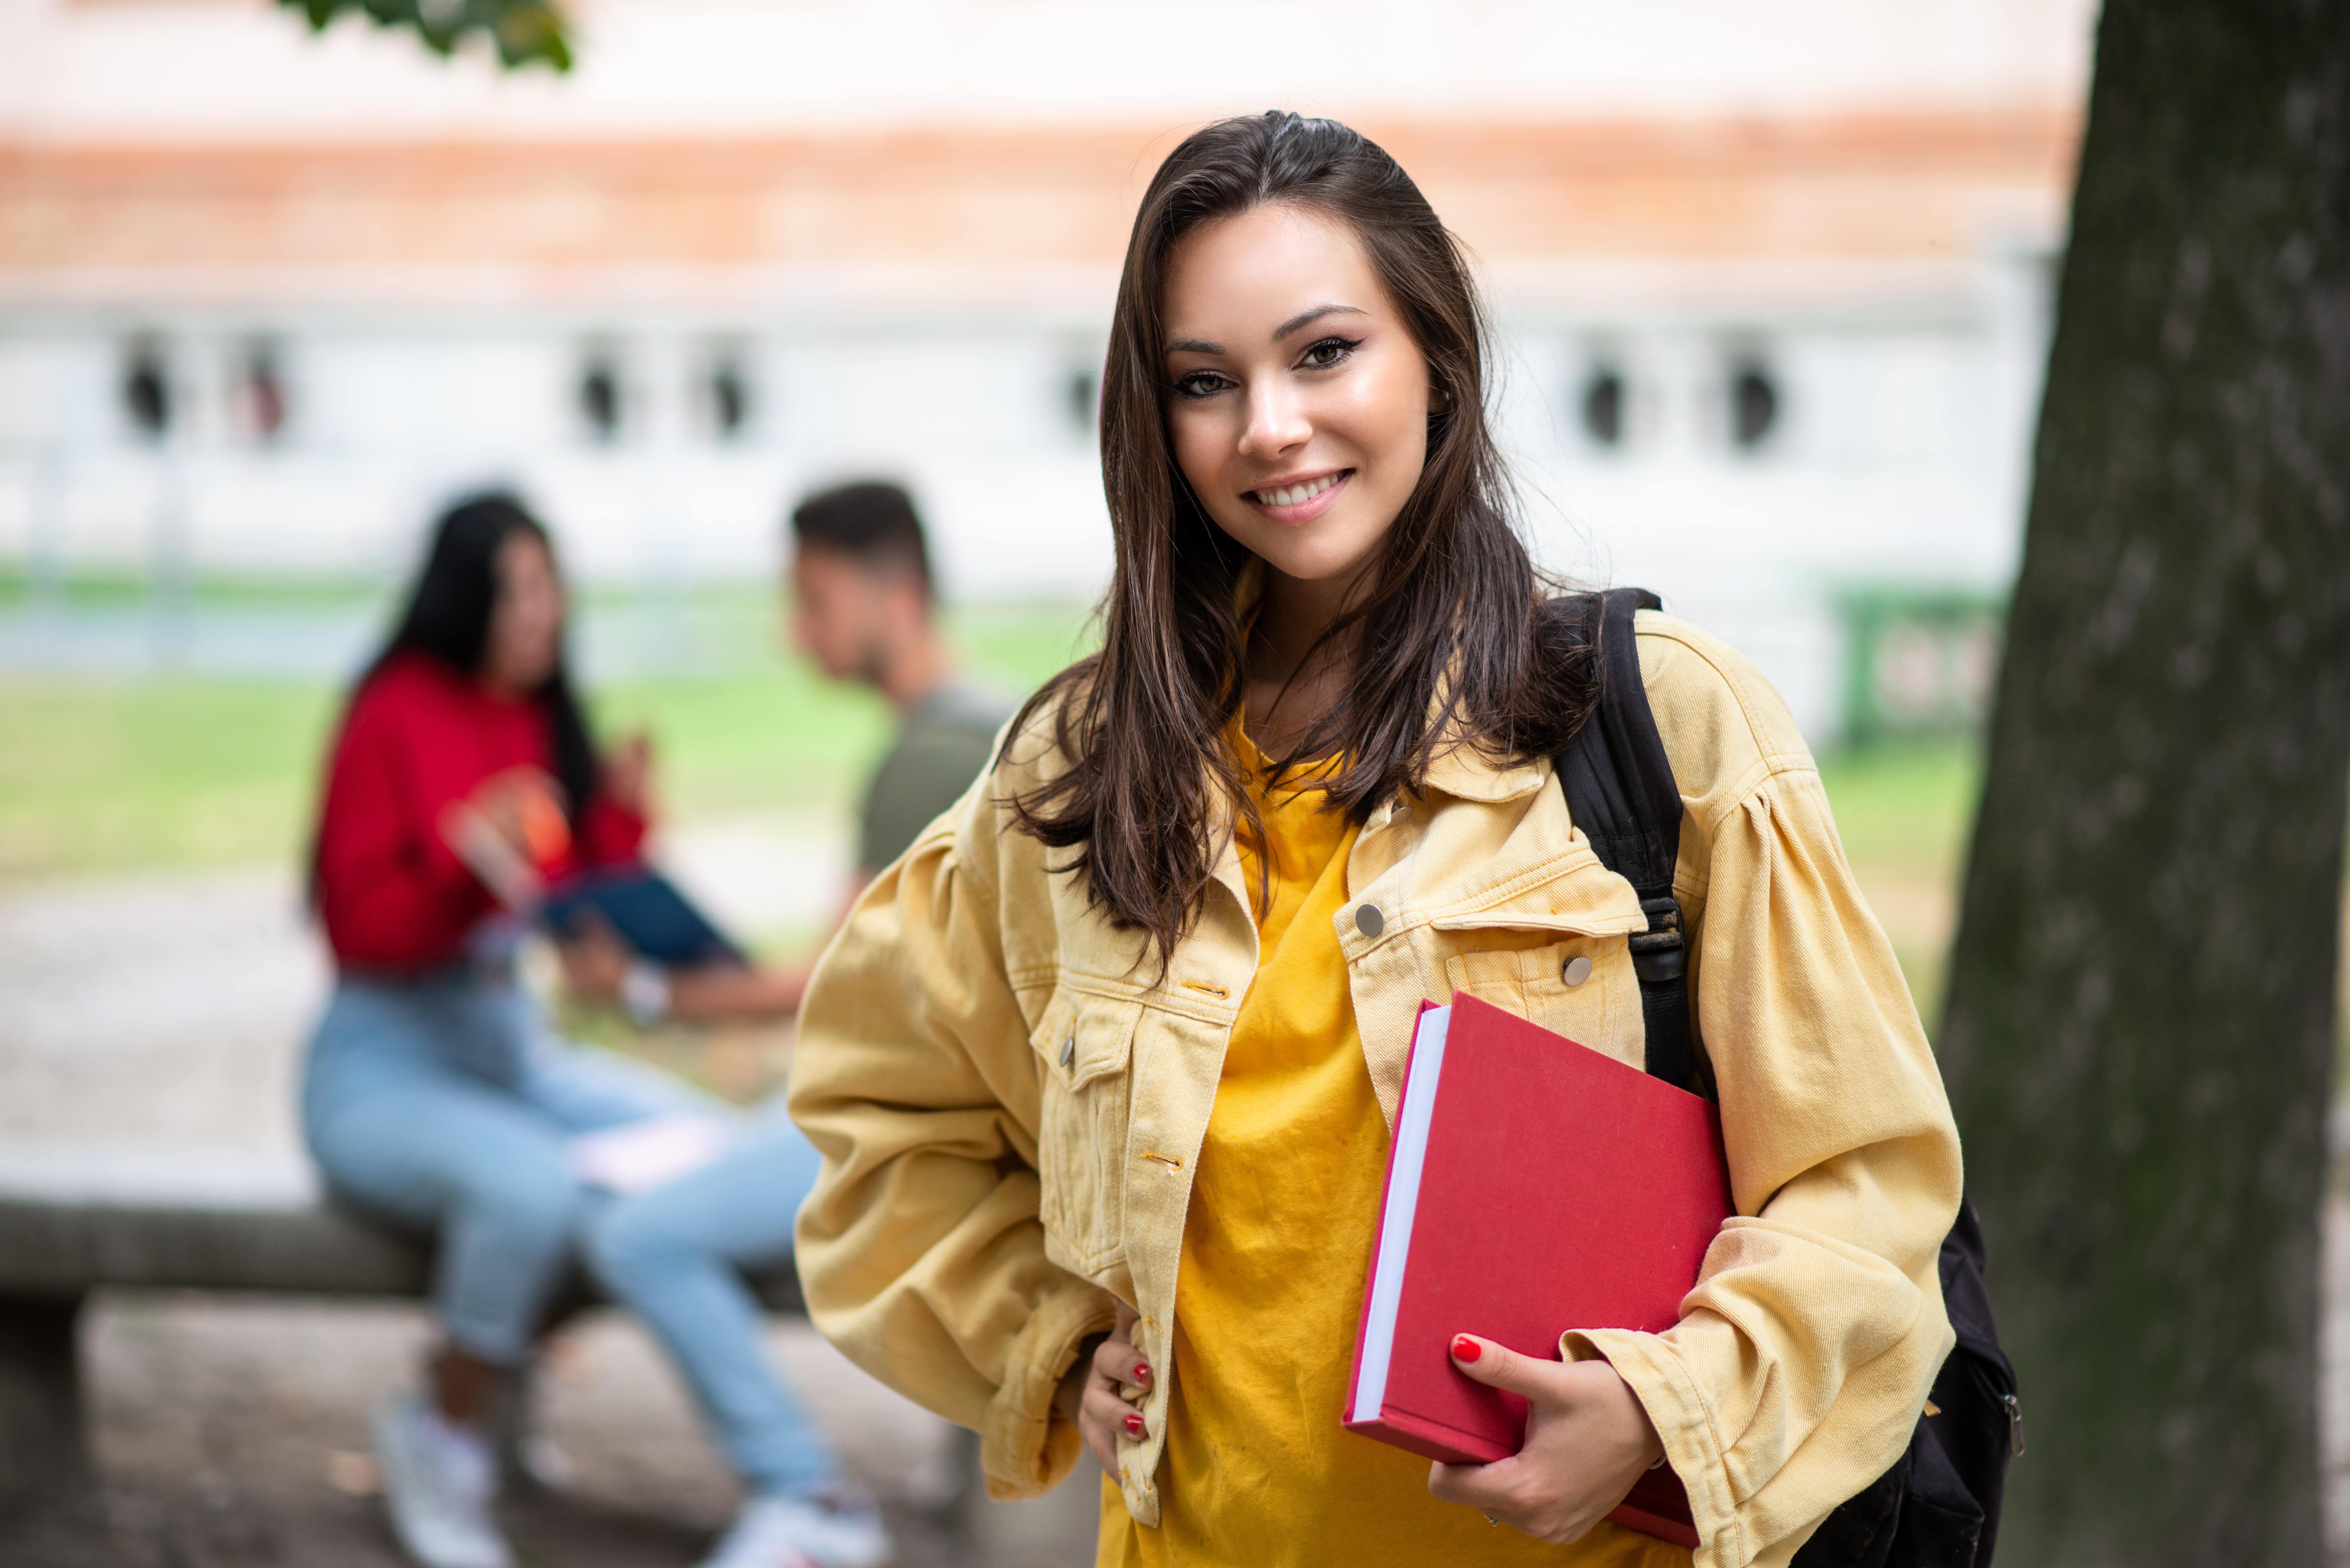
[232, 1434]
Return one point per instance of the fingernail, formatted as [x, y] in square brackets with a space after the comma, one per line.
[1142, 1372]
[1466, 1348]
[1134, 1426]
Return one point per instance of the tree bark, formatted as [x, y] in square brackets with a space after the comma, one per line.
[2140, 1031]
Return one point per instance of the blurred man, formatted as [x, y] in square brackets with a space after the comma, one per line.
[866, 610]
[674, 1248]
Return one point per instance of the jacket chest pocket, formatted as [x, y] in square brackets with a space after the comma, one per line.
[1581, 986]
[1087, 1045]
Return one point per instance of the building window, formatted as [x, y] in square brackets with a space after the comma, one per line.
[1601, 406]
[726, 397]
[1755, 402]
[1081, 401]
[147, 390]
[599, 398]
[259, 402]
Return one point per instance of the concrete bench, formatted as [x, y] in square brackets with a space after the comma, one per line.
[78, 1218]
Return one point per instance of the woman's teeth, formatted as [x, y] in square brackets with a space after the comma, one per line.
[1291, 494]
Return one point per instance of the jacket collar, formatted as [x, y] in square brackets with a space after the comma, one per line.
[1460, 772]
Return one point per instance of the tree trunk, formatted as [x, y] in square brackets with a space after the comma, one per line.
[2140, 1030]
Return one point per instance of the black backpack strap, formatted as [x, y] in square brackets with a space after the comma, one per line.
[1939, 1502]
[1621, 791]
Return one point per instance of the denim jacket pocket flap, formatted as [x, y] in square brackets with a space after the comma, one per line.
[1084, 1036]
[1579, 897]
[1582, 988]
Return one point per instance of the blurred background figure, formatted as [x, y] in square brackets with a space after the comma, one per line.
[463, 784]
[462, 780]
[864, 610]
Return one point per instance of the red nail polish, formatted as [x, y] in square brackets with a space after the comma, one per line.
[1142, 1372]
[1466, 1348]
[1134, 1426]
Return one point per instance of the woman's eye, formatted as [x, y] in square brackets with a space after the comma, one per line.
[1201, 384]
[1331, 351]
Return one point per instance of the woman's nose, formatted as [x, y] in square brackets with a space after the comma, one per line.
[1276, 421]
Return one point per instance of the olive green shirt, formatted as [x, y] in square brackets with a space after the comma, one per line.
[947, 739]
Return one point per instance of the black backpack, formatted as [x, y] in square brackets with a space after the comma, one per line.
[1938, 1507]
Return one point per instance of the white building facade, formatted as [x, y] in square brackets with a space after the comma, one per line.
[1762, 361]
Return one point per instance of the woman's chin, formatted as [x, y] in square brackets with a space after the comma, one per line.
[1319, 561]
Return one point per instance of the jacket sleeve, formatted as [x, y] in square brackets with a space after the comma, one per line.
[1804, 1355]
[393, 896]
[919, 1249]
[610, 833]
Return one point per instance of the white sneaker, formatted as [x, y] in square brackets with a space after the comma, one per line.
[803, 1532]
[438, 1479]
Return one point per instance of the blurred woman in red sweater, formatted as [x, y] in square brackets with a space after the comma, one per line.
[462, 781]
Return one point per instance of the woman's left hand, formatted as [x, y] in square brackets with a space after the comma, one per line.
[1588, 1440]
[628, 775]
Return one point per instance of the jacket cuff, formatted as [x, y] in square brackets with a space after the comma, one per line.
[1676, 1402]
[1025, 1447]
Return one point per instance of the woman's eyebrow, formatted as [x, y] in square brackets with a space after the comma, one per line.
[1307, 316]
[1302, 319]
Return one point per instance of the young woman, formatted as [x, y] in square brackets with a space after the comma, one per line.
[1103, 1070]
[434, 1094]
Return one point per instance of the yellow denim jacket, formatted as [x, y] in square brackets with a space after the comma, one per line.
[1008, 1106]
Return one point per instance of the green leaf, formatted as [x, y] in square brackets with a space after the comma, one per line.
[523, 32]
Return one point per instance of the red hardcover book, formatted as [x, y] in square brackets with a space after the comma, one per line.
[1534, 1185]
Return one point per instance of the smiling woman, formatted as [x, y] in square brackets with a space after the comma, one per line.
[1312, 520]
[1104, 1068]
[1303, 442]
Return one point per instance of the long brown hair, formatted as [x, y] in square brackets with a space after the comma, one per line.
[1453, 643]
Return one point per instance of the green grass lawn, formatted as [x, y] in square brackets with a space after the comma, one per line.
[106, 775]
[1904, 814]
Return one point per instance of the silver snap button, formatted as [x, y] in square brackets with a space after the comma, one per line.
[1069, 1050]
[1369, 920]
[1575, 971]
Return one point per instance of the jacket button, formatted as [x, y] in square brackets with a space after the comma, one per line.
[1068, 1050]
[1369, 920]
[1575, 971]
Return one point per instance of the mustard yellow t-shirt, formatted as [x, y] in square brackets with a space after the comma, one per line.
[1258, 1473]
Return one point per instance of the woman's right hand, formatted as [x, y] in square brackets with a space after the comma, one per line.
[524, 807]
[507, 829]
[1097, 1392]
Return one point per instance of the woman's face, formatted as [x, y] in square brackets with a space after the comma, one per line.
[525, 635]
[1298, 401]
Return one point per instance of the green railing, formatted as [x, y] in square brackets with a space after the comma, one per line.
[1918, 662]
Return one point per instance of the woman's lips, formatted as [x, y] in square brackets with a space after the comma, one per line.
[1312, 497]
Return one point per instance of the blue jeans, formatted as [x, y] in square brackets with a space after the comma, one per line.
[444, 1104]
[674, 1256]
